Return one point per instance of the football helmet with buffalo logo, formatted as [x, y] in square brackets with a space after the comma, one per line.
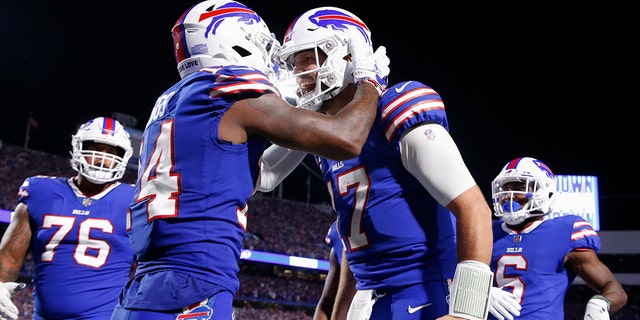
[222, 32]
[327, 29]
[524, 188]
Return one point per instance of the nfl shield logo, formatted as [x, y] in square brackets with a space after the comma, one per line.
[86, 202]
[517, 238]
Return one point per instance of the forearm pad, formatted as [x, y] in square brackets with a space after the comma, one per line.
[470, 290]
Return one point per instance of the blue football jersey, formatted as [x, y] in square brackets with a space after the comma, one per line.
[395, 234]
[188, 216]
[80, 247]
[334, 242]
[530, 263]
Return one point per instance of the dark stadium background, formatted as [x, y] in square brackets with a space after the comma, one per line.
[555, 81]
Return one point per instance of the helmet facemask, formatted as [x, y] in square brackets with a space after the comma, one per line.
[327, 30]
[332, 75]
[99, 167]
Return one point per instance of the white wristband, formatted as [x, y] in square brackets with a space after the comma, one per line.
[603, 298]
[470, 290]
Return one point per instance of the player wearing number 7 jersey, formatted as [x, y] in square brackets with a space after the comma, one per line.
[395, 200]
[76, 229]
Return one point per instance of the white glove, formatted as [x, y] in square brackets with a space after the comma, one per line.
[367, 65]
[597, 308]
[503, 305]
[8, 309]
[361, 305]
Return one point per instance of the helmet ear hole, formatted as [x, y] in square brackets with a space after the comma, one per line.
[241, 51]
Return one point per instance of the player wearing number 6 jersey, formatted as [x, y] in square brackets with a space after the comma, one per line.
[76, 229]
[199, 161]
[538, 259]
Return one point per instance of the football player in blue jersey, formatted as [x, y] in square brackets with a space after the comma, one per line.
[325, 304]
[76, 230]
[410, 214]
[199, 160]
[537, 259]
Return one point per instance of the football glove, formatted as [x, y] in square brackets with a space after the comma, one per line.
[362, 305]
[8, 309]
[369, 66]
[597, 308]
[503, 305]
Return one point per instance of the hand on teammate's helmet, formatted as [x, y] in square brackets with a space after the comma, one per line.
[368, 65]
[8, 309]
[503, 305]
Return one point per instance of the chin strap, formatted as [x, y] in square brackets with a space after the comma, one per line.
[470, 290]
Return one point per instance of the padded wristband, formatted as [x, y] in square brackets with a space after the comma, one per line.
[470, 290]
[601, 297]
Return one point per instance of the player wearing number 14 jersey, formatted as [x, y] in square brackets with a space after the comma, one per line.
[199, 160]
[76, 230]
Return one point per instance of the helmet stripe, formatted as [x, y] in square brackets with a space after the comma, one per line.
[109, 126]
[180, 49]
[513, 163]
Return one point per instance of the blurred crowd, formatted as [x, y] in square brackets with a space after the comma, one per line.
[267, 292]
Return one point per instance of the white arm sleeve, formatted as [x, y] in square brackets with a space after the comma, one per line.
[276, 164]
[429, 153]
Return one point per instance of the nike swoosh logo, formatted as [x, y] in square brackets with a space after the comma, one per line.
[401, 88]
[413, 310]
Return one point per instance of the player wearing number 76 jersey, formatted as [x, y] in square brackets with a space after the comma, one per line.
[76, 229]
[538, 259]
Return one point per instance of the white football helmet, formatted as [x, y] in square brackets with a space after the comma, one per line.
[223, 32]
[539, 190]
[106, 131]
[327, 29]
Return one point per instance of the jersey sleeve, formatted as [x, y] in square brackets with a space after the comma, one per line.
[407, 104]
[583, 236]
[234, 80]
[23, 191]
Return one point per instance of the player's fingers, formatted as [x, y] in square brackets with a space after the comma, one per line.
[495, 313]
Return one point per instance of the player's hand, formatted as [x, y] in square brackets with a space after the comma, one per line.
[368, 65]
[8, 309]
[503, 305]
[361, 305]
[597, 309]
